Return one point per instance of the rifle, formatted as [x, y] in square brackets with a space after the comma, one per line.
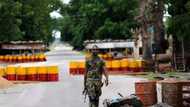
[84, 92]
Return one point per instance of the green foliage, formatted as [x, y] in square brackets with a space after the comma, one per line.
[9, 20]
[180, 18]
[36, 17]
[27, 19]
[98, 19]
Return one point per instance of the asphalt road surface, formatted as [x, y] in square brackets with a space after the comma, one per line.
[65, 93]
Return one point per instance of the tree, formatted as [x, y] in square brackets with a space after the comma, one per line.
[105, 19]
[152, 26]
[179, 22]
[36, 17]
[27, 19]
[10, 21]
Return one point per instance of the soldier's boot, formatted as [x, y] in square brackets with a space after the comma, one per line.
[94, 103]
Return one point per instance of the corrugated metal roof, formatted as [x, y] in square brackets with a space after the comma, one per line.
[108, 45]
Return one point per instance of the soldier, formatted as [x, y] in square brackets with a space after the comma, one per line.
[95, 68]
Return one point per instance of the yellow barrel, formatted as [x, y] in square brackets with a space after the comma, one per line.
[133, 66]
[9, 58]
[81, 67]
[124, 65]
[41, 57]
[116, 65]
[10, 70]
[31, 73]
[44, 57]
[19, 58]
[28, 58]
[14, 58]
[1, 58]
[109, 65]
[36, 58]
[110, 57]
[105, 56]
[24, 58]
[2, 72]
[73, 67]
[31, 70]
[42, 70]
[21, 73]
[32, 58]
[42, 73]
[11, 73]
[6, 58]
[52, 69]
[53, 73]
[141, 65]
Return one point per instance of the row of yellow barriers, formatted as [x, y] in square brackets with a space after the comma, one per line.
[23, 58]
[106, 56]
[38, 73]
[119, 66]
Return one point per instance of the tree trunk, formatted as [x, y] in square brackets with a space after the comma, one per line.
[158, 14]
[146, 37]
[147, 49]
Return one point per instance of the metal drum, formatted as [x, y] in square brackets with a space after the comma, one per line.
[81, 67]
[11, 73]
[116, 66]
[31, 73]
[109, 65]
[73, 67]
[21, 73]
[53, 74]
[42, 73]
[124, 65]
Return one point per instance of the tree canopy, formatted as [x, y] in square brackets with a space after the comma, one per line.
[179, 22]
[98, 19]
[84, 19]
[26, 19]
[9, 20]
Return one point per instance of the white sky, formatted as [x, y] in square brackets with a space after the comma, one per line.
[66, 1]
[56, 14]
[56, 34]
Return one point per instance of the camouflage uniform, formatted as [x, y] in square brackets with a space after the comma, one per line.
[94, 83]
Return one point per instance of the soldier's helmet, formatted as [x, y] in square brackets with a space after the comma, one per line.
[95, 49]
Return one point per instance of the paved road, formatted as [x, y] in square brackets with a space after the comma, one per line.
[66, 92]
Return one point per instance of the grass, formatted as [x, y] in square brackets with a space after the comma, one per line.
[155, 76]
[170, 74]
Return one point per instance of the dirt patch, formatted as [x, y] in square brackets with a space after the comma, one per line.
[5, 83]
[25, 82]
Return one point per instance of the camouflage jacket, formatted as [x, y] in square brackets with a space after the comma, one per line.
[94, 67]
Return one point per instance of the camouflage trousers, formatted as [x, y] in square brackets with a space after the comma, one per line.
[94, 91]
